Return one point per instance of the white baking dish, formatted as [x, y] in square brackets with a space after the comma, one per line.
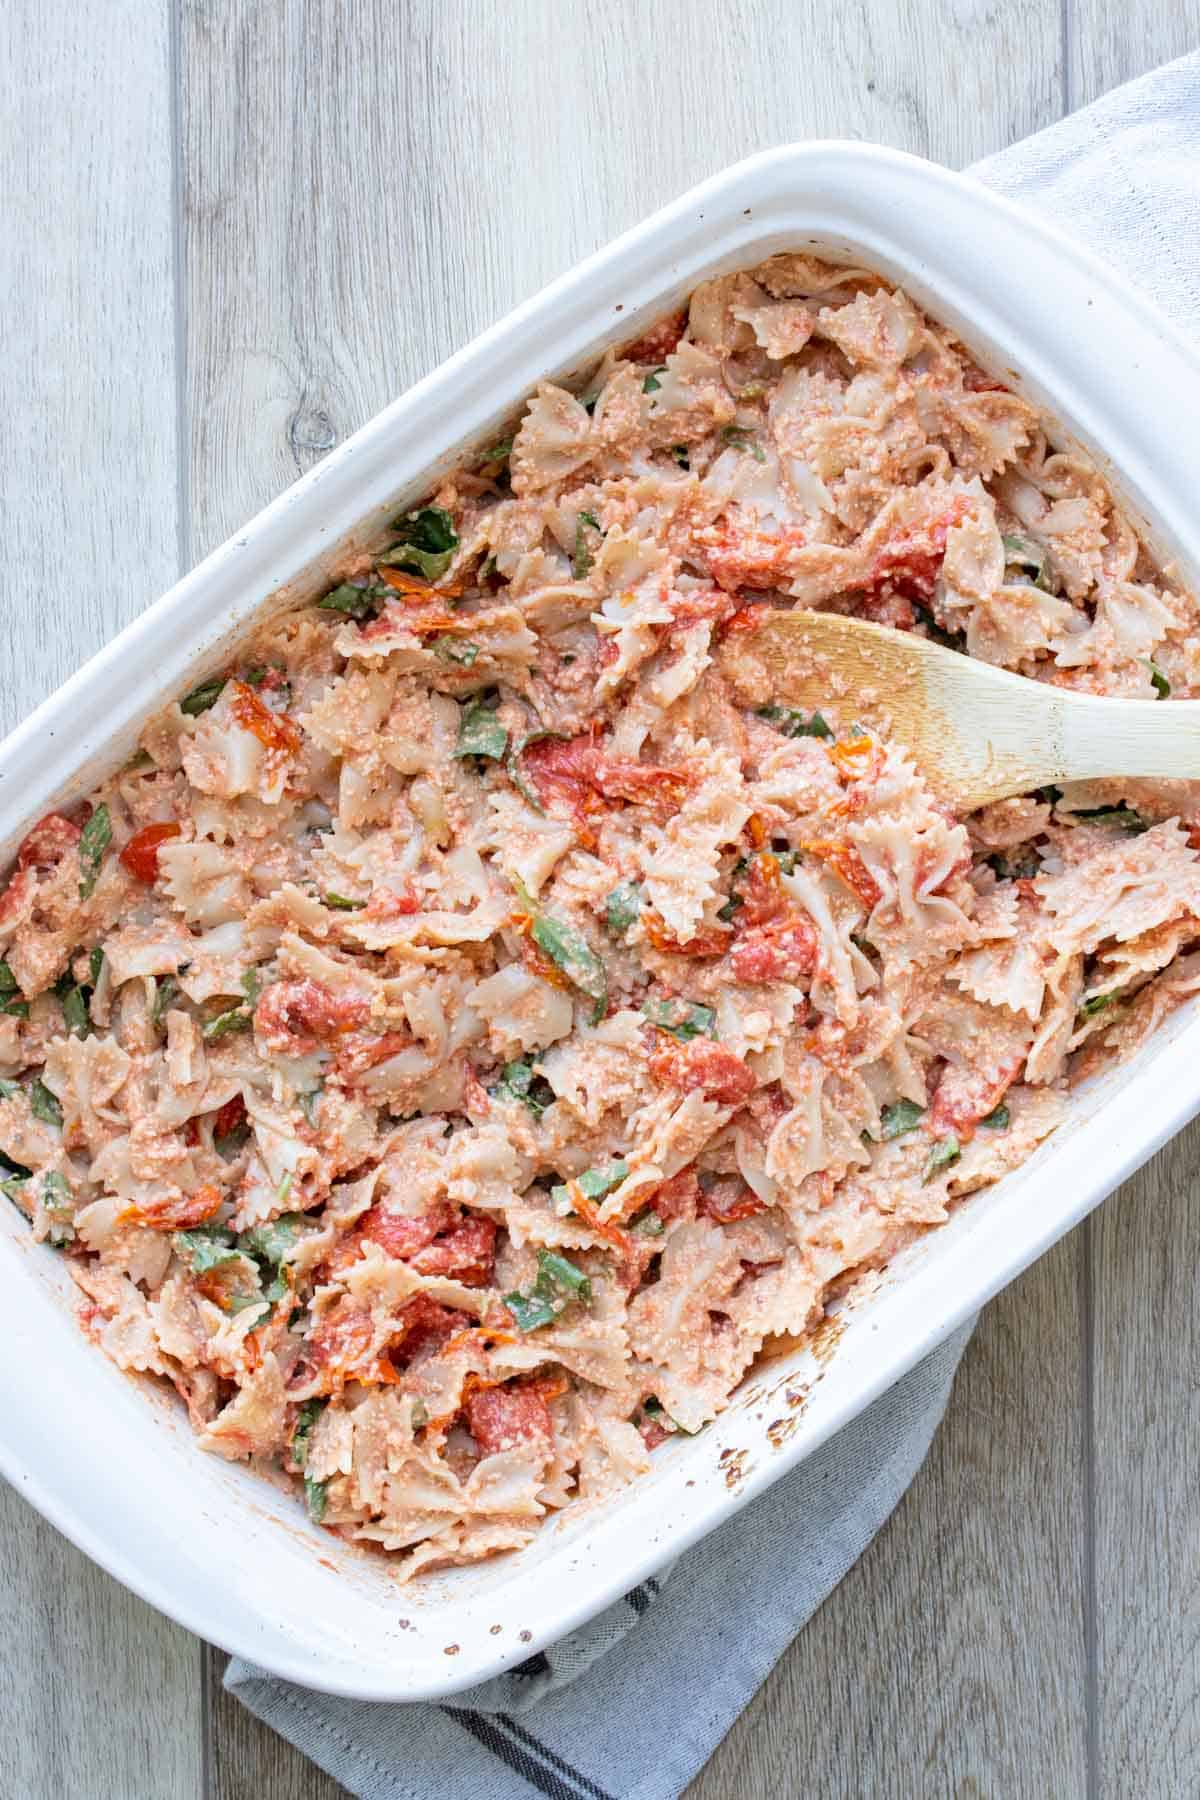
[110, 1460]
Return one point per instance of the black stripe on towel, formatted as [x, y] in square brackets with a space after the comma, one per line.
[533, 1665]
[536, 1744]
[638, 1598]
[538, 1775]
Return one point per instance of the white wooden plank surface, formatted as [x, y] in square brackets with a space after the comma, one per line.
[1144, 1364]
[99, 1695]
[362, 189]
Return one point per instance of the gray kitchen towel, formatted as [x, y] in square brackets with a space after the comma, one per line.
[1124, 175]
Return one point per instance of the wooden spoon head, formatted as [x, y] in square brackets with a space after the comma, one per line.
[976, 733]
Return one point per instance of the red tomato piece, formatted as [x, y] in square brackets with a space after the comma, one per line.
[401, 1235]
[964, 1096]
[652, 1433]
[295, 1016]
[423, 1325]
[849, 868]
[744, 558]
[140, 855]
[340, 1338]
[501, 1418]
[911, 562]
[655, 345]
[229, 1116]
[274, 731]
[677, 1198]
[386, 904]
[708, 606]
[18, 895]
[728, 1201]
[466, 1253]
[48, 842]
[704, 1067]
[774, 953]
[178, 1214]
[711, 941]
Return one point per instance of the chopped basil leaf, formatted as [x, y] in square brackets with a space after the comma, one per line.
[945, 1151]
[252, 986]
[737, 439]
[202, 697]
[563, 1275]
[240, 1303]
[339, 903]
[793, 724]
[1161, 685]
[1020, 868]
[1097, 1004]
[558, 1282]
[230, 1142]
[94, 841]
[427, 542]
[949, 640]
[684, 1019]
[583, 558]
[901, 1117]
[8, 981]
[352, 602]
[207, 1247]
[657, 1413]
[498, 453]
[165, 995]
[647, 1224]
[45, 1106]
[622, 907]
[680, 453]
[1022, 553]
[512, 765]
[273, 1243]
[310, 1105]
[455, 650]
[652, 384]
[315, 1492]
[235, 1018]
[519, 1082]
[575, 957]
[594, 1182]
[480, 733]
[306, 1418]
[531, 1312]
[76, 1017]
[1121, 816]
[58, 1206]
[998, 1119]
[96, 963]
[16, 1009]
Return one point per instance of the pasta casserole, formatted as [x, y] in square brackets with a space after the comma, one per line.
[469, 1033]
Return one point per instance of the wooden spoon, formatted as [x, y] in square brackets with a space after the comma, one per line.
[977, 733]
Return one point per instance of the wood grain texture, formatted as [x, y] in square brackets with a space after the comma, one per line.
[87, 380]
[951, 1658]
[98, 1693]
[1144, 1349]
